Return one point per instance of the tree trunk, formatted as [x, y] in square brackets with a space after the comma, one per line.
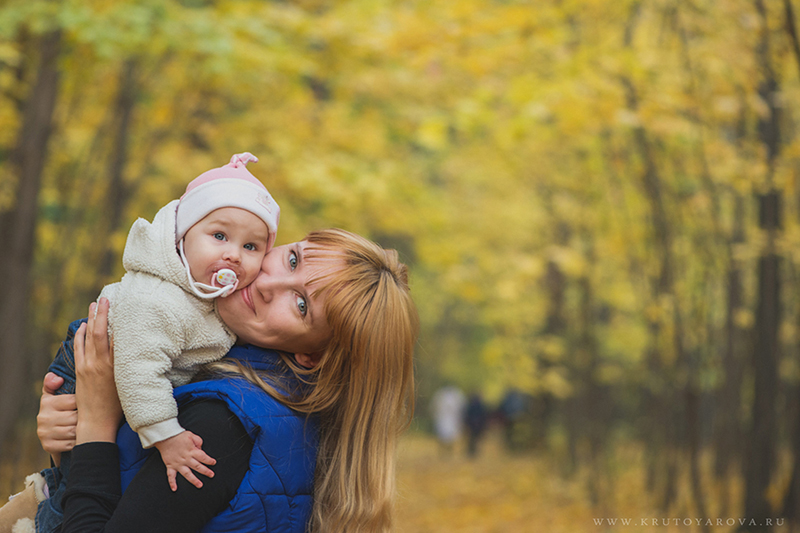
[728, 430]
[791, 29]
[118, 191]
[665, 416]
[592, 409]
[764, 364]
[791, 501]
[545, 404]
[765, 355]
[18, 232]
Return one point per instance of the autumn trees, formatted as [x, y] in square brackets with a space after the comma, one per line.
[598, 199]
[25, 160]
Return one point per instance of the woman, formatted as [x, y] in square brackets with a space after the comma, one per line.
[347, 300]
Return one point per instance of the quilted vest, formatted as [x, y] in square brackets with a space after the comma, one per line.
[275, 495]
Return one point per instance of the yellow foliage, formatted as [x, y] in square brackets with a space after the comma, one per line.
[552, 348]
[486, 140]
[743, 318]
[557, 383]
[432, 133]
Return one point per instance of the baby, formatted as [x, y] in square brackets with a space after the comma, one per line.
[163, 319]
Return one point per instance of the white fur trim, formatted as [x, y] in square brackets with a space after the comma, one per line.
[38, 485]
[24, 525]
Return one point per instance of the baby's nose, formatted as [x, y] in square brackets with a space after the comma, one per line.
[232, 254]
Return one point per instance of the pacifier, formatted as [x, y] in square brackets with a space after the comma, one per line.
[226, 279]
[225, 276]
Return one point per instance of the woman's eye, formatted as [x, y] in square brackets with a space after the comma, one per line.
[219, 236]
[250, 246]
[293, 260]
[302, 306]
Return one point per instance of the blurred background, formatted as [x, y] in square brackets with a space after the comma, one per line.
[598, 200]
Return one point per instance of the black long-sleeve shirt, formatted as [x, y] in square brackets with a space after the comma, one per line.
[93, 503]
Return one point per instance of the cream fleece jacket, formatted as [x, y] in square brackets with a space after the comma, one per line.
[161, 331]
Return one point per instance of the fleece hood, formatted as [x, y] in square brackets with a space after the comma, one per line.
[150, 248]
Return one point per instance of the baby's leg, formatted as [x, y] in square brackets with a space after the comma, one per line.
[49, 514]
[64, 363]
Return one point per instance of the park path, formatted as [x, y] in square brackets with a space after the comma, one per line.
[523, 493]
[494, 492]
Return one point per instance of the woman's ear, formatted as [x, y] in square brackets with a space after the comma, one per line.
[308, 360]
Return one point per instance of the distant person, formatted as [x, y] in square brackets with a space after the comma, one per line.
[512, 410]
[476, 417]
[447, 408]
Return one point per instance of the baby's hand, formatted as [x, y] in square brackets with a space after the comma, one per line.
[182, 453]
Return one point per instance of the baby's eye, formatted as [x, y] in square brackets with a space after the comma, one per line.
[219, 236]
[302, 306]
[293, 260]
[250, 246]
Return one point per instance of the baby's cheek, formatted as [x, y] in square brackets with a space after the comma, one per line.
[246, 279]
[251, 270]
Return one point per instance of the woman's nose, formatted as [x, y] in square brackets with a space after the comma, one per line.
[268, 286]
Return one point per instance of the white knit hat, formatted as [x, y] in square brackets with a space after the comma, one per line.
[229, 186]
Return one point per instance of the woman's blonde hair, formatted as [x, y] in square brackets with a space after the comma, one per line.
[363, 387]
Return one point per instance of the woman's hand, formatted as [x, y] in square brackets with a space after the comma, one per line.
[99, 411]
[55, 423]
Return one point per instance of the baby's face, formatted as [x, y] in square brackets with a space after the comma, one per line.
[226, 238]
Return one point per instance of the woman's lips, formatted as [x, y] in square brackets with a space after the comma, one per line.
[247, 297]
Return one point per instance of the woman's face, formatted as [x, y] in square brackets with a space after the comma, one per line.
[277, 310]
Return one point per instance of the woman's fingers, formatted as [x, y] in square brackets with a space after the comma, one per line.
[78, 347]
[92, 312]
[99, 411]
[92, 315]
[63, 402]
[99, 327]
[85, 342]
[58, 440]
[57, 418]
[57, 412]
[92, 350]
[54, 443]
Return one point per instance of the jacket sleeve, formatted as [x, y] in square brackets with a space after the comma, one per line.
[93, 503]
[147, 338]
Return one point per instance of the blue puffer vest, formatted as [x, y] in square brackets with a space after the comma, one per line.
[275, 495]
